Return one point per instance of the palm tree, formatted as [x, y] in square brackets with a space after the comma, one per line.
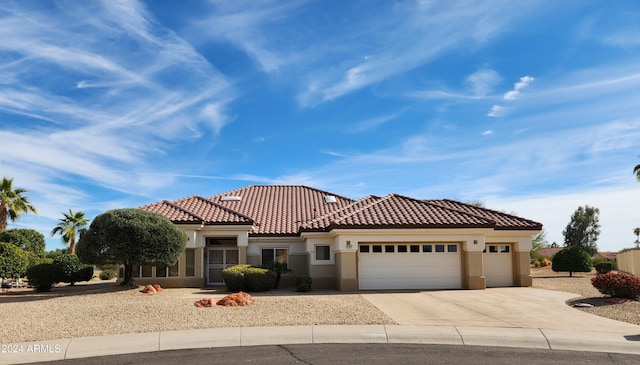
[636, 231]
[12, 203]
[69, 227]
[636, 171]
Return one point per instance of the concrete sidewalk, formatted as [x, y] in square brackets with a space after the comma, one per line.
[537, 338]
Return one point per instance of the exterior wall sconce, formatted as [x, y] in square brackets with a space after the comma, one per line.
[348, 244]
[475, 242]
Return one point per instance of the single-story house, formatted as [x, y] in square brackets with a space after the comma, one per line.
[374, 243]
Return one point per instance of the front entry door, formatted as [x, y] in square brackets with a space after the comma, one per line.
[218, 260]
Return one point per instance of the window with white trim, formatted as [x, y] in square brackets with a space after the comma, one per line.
[323, 253]
[271, 255]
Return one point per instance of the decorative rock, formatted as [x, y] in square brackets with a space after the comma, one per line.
[236, 300]
[203, 303]
[583, 305]
[152, 289]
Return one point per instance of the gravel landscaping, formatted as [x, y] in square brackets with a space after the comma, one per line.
[102, 308]
[580, 284]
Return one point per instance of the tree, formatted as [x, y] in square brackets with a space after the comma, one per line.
[636, 171]
[12, 203]
[636, 231]
[69, 226]
[13, 261]
[131, 237]
[583, 229]
[537, 242]
[571, 259]
[27, 239]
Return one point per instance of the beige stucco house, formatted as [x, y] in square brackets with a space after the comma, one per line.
[375, 243]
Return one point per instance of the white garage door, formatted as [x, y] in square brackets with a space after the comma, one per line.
[498, 265]
[409, 266]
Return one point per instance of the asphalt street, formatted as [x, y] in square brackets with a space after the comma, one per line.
[362, 354]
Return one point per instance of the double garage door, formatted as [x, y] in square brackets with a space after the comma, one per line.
[409, 266]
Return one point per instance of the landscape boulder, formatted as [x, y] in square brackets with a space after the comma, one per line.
[236, 300]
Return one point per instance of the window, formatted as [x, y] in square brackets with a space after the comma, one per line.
[190, 258]
[415, 248]
[452, 248]
[146, 271]
[493, 249]
[364, 248]
[377, 248]
[135, 271]
[402, 248]
[504, 248]
[427, 248]
[271, 255]
[323, 253]
[439, 248]
[389, 248]
[167, 271]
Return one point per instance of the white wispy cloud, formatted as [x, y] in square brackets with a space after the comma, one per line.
[524, 82]
[495, 111]
[483, 81]
[487, 132]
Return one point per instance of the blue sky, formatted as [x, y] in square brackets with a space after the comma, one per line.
[531, 107]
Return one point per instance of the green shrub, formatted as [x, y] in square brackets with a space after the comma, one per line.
[617, 285]
[571, 259]
[248, 278]
[43, 276]
[614, 264]
[72, 270]
[107, 274]
[303, 283]
[258, 279]
[13, 261]
[234, 277]
[603, 267]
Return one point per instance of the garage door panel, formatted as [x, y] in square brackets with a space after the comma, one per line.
[498, 265]
[409, 270]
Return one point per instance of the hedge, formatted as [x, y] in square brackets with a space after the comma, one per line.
[617, 285]
[248, 278]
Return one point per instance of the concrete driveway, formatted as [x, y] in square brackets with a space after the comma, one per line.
[494, 307]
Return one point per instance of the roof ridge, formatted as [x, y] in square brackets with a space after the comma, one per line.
[377, 201]
[338, 212]
[459, 211]
[176, 206]
[208, 201]
[285, 185]
[491, 210]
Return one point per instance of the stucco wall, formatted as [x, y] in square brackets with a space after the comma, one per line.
[629, 261]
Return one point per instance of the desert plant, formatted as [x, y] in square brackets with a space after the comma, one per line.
[603, 267]
[303, 283]
[43, 276]
[536, 263]
[618, 285]
[545, 262]
[571, 259]
[259, 279]
[72, 270]
[13, 261]
[107, 274]
[131, 237]
[248, 278]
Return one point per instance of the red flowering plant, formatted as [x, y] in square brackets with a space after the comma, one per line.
[617, 285]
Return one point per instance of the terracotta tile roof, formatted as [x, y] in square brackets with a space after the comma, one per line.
[196, 209]
[276, 210]
[280, 209]
[606, 255]
[503, 221]
[549, 251]
[397, 211]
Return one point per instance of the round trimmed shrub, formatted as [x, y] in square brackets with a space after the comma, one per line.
[303, 283]
[603, 267]
[107, 274]
[571, 259]
[72, 270]
[13, 261]
[43, 276]
[248, 278]
[258, 279]
[617, 285]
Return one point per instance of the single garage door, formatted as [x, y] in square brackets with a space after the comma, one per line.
[498, 265]
[409, 266]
